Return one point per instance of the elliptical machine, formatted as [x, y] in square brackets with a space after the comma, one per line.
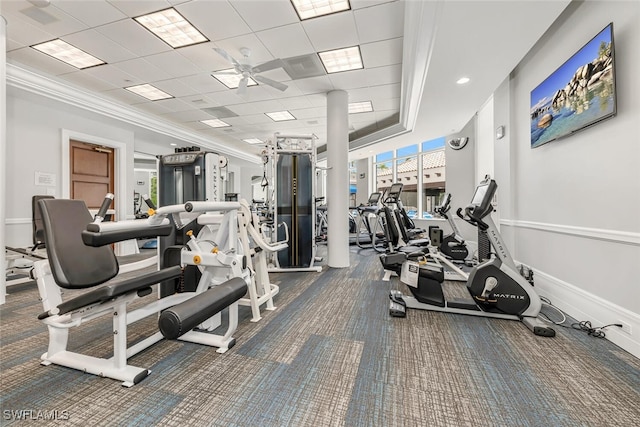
[495, 287]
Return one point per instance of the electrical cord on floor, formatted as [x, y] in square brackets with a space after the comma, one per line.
[584, 325]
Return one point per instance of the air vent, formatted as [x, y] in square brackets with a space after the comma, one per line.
[312, 122]
[219, 112]
[39, 15]
[304, 66]
[228, 130]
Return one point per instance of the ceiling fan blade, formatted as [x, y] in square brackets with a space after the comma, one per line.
[225, 73]
[269, 65]
[242, 87]
[272, 83]
[226, 56]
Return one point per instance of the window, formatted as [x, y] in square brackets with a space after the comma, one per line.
[421, 192]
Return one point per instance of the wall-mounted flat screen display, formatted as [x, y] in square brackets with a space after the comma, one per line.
[580, 93]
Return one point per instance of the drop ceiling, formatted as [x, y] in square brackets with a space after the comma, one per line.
[402, 43]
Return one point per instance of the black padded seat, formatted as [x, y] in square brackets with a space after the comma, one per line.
[77, 266]
[36, 221]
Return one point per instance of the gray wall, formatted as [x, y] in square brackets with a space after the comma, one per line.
[572, 205]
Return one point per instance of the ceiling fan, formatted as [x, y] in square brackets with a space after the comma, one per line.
[244, 68]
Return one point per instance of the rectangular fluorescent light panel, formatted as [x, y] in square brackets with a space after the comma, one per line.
[280, 116]
[231, 81]
[338, 60]
[253, 141]
[311, 8]
[215, 123]
[172, 28]
[148, 91]
[360, 107]
[65, 52]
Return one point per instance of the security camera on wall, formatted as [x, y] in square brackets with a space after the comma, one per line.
[458, 143]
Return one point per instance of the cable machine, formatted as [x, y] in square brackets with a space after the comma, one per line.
[292, 196]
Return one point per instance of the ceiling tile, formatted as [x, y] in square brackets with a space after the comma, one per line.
[113, 75]
[200, 101]
[384, 52]
[226, 97]
[174, 105]
[309, 113]
[175, 87]
[84, 80]
[151, 107]
[204, 57]
[188, 116]
[256, 118]
[386, 104]
[320, 84]
[332, 31]
[142, 69]
[384, 91]
[215, 19]
[204, 83]
[295, 102]
[260, 14]
[287, 41]
[384, 75]
[359, 4]
[256, 107]
[92, 13]
[385, 21]
[368, 117]
[318, 99]
[259, 53]
[125, 96]
[12, 45]
[261, 92]
[173, 63]
[360, 94]
[26, 33]
[134, 37]
[54, 20]
[38, 60]
[349, 79]
[135, 8]
[100, 46]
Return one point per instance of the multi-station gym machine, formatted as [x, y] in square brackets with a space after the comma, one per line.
[291, 195]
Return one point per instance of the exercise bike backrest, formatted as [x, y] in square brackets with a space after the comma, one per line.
[480, 205]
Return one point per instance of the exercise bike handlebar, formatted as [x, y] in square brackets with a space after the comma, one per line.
[470, 218]
[102, 212]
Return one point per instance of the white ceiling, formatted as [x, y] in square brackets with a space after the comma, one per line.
[401, 42]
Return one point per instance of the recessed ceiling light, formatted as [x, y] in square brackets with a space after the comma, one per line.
[463, 80]
[230, 80]
[215, 123]
[253, 141]
[65, 52]
[280, 116]
[172, 28]
[338, 60]
[148, 91]
[311, 8]
[360, 107]
[173, 144]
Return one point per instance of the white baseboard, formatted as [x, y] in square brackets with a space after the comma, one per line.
[582, 305]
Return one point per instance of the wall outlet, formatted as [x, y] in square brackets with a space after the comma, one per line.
[625, 326]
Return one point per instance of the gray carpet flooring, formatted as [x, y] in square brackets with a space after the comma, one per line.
[330, 355]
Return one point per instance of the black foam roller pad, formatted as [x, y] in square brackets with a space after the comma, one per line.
[185, 316]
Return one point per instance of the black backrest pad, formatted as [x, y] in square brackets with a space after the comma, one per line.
[36, 219]
[73, 264]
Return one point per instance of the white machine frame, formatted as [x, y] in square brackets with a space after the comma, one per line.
[117, 367]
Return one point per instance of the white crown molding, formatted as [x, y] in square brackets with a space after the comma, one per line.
[16, 221]
[615, 236]
[36, 83]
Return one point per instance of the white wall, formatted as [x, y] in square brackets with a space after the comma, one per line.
[574, 202]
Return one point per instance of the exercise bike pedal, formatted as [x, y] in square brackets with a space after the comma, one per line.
[397, 306]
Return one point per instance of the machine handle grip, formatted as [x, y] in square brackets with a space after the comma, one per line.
[148, 201]
[102, 212]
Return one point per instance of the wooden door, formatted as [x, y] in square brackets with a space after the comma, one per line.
[92, 173]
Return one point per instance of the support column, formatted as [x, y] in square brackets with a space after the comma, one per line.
[338, 178]
[3, 150]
